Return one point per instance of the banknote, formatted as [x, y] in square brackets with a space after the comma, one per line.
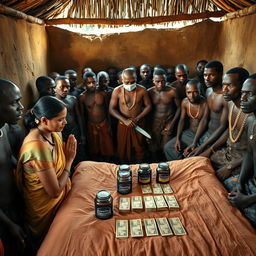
[149, 202]
[167, 188]
[177, 226]
[157, 188]
[164, 227]
[150, 227]
[146, 189]
[124, 204]
[137, 204]
[136, 228]
[122, 229]
[172, 202]
[161, 205]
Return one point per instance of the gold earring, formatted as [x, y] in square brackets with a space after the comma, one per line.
[36, 121]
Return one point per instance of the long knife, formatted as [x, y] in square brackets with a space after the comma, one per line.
[142, 131]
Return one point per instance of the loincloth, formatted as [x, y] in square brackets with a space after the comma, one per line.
[99, 139]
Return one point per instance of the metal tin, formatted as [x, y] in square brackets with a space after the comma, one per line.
[103, 205]
[163, 173]
[144, 174]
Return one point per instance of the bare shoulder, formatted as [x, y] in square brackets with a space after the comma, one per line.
[208, 92]
[171, 91]
[141, 88]
[117, 90]
[184, 102]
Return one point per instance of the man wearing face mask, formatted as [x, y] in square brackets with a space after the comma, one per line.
[130, 103]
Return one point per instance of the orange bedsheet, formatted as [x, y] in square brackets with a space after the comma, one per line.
[214, 227]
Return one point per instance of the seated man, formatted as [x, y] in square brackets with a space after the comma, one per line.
[11, 233]
[243, 187]
[130, 104]
[94, 121]
[194, 107]
[227, 160]
[181, 74]
[164, 115]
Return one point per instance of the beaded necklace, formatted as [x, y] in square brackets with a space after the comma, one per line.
[134, 99]
[189, 111]
[232, 127]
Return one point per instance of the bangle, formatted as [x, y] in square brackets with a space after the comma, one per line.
[66, 170]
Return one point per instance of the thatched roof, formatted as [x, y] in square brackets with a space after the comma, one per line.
[126, 9]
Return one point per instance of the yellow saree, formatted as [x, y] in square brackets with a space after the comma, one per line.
[40, 208]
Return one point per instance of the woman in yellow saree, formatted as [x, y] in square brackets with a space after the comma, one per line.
[44, 164]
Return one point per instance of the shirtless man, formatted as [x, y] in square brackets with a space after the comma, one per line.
[130, 103]
[10, 112]
[145, 74]
[95, 120]
[112, 71]
[243, 187]
[181, 74]
[227, 160]
[166, 111]
[62, 88]
[217, 107]
[103, 82]
[72, 77]
[193, 108]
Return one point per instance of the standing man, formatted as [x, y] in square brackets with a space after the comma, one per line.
[145, 74]
[200, 65]
[72, 77]
[165, 114]
[45, 86]
[243, 187]
[218, 110]
[193, 108]
[181, 74]
[10, 205]
[130, 104]
[95, 120]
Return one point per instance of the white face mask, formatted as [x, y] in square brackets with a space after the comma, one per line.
[130, 87]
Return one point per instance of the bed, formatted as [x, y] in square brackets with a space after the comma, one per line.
[213, 226]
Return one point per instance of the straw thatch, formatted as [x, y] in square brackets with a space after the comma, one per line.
[135, 10]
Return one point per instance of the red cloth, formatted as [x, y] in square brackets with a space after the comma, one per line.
[1, 248]
[213, 226]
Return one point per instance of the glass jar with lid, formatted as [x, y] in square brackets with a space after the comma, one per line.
[163, 173]
[144, 174]
[103, 205]
[124, 182]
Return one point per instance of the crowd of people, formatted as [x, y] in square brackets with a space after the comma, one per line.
[146, 114]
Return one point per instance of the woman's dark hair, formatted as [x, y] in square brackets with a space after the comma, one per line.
[46, 106]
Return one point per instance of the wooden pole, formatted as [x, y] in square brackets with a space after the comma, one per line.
[19, 15]
[137, 21]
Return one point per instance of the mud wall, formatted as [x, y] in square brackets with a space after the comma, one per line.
[23, 54]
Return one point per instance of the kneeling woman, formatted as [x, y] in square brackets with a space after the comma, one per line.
[44, 164]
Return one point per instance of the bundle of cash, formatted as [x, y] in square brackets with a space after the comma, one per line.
[150, 227]
[177, 226]
[172, 202]
[124, 204]
[136, 228]
[160, 203]
[122, 229]
[167, 188]
[164, 227]
[146, 189]
[157, 189]
[137, 204]
[149, 202]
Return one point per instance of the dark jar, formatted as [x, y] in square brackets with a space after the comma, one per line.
[163, 173]
[103, 205]
[144, 174]
[124, 182]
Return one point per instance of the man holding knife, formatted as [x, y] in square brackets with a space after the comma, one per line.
[130, 103]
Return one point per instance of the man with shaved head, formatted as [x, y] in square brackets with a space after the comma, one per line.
[145, 74]
[10, 112]
[45, 86]
[181, 74]
[72, 77]
[130, 104]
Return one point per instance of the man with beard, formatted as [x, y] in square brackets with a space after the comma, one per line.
[193, 108]
[200, 65]
[181, 74]
[166, 111]
[243, 187]
[11, 233]
[145, 74]
[227, 160]
[95, 120]
[218, 111]
[130, 104]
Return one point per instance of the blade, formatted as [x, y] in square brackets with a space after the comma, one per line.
[143, 132]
